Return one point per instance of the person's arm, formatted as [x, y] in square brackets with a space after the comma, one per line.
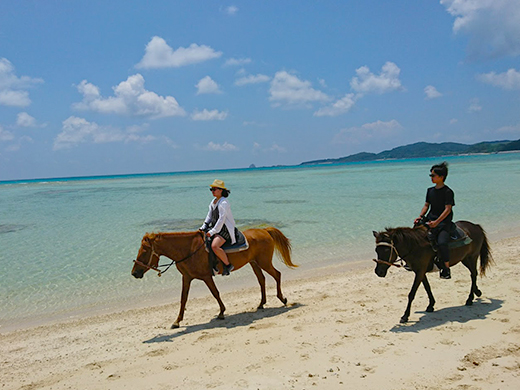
[445, 213]
[223, 207]
[424, 210]
[206, 221]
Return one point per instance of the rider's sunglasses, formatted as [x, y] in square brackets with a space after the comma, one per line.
[214, 189]
[433, 174]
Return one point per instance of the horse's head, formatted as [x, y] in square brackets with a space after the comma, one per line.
[146, 257]
[386, 253]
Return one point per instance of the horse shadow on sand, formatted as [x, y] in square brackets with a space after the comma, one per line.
[229, 322]
[478, 311]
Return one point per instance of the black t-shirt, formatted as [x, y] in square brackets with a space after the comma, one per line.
[438, 199]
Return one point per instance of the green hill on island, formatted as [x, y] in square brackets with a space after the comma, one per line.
[424, 149]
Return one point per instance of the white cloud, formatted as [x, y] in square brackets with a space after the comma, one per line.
[5, 135]
[206, 115]
[287, 88]
[207, 85]
[252, 79]
[386, 81]
[513, 131]
[474, 105]
[225, 147]
[506, 80]
[368, 132]
[453, 121]
[130, 98]
[342, 106]
[78, 130]
[231, 10]
[13, 88]
[25, 120]
[17, 145]
[274, 148]
[159, 55]
[237, 61]
[431, 92]
[493, 26]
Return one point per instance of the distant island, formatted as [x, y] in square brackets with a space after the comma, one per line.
[425, 149]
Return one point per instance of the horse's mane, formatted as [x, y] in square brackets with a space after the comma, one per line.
[152, 236]
[415, 235]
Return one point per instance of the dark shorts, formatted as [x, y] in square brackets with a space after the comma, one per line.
[224, 233]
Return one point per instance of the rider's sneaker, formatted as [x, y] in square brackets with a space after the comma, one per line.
[227, 269]
[445, 273]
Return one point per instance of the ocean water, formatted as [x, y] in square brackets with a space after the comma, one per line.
[67, 245]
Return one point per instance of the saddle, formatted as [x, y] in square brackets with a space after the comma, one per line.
[240, 245]
[458, 237]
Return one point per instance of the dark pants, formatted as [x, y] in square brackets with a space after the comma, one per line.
[441, 234]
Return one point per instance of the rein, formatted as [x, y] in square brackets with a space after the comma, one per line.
[165, 265]
[394, 249]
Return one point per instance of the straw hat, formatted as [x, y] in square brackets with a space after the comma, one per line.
[218, 184]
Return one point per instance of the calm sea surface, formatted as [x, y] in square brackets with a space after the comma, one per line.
[67, 245]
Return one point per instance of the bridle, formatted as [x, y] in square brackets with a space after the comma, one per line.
[393, 249]
[156, 268]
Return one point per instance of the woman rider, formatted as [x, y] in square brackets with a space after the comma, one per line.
[219, 223]
[440, 200]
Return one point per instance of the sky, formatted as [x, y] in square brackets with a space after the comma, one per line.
[95, 87]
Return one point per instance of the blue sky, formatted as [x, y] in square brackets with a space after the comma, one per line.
[116, 87]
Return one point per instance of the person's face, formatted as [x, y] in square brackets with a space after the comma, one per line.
[216, 191]
[436, 179]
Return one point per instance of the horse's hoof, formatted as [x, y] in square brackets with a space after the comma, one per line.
[220, 316]
[478, 293]
[261, 307]
[284, 301]
[403, 320]
[430, 309]
[175, 325]
[469, 303]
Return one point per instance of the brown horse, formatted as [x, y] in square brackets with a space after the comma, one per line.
[412, 245]
[187, 251]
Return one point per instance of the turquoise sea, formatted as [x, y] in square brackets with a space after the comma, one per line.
[67, 245]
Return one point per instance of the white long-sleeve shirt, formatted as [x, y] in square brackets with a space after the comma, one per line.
[225, 217]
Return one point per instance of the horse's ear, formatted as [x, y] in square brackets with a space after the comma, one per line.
[376, 234]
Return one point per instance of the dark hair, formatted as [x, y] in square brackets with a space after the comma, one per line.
[225, 193]
[440, 169]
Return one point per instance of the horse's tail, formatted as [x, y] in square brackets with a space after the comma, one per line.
[282, 244]
[485, 253]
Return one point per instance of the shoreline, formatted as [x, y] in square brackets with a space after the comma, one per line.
[244, 279]
[340, 329]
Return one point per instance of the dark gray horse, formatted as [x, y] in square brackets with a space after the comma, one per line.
[412, 245]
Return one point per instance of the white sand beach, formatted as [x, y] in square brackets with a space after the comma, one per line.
[340, 330]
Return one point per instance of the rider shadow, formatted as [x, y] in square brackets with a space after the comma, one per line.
[461, 314]
[230, 322]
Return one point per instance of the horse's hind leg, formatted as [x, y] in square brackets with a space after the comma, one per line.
[186, 281]
[268, 267]
[428, 289]
[471, 265]
[261, 280]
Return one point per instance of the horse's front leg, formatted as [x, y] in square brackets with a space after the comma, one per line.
[213, 288]
[186, 282]
[428, 289]
[411, 295]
